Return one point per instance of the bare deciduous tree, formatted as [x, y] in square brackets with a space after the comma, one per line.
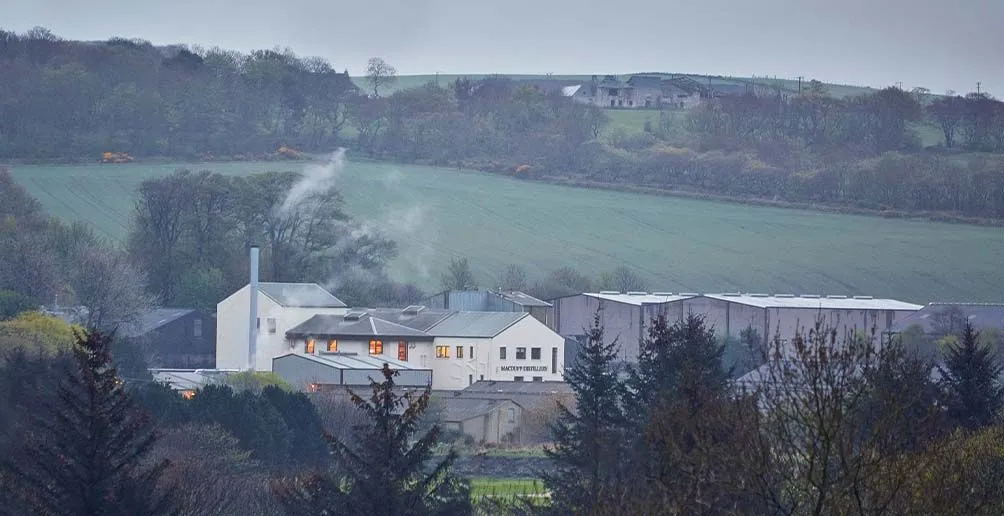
[379, 74]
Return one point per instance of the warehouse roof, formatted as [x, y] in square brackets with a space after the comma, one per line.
[521, 299]
[639, 298]
[189, 379]
[475, 324]
[815, 302]
[458, 409]
[364, 326]
[300, 295]
[152, 320]
[350, 360]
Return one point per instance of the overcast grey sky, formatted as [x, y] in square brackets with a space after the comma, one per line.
[937, 44]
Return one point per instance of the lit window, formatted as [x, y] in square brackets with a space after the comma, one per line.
[313, 387]
[535, 353]
[502, 353]
[188, 394]
[460, 352]
[376, 347]
[442, 351]
[332, 345]
[310, 346]
[402, 350]
[520, 353]
[197, 328]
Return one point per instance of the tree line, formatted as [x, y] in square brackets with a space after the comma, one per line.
[70, 99]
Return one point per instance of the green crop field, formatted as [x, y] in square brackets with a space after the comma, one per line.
[675, 244]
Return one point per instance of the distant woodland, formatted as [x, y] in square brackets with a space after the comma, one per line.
[67, 100]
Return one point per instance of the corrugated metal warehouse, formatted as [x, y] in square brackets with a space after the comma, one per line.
[625, 316]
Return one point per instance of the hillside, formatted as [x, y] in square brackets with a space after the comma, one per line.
[675, 244]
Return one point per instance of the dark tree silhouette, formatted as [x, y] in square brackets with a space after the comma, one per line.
[971, 379]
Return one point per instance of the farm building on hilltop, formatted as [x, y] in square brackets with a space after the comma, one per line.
[626, 316]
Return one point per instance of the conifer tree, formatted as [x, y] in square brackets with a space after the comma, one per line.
[384, 472]
[88, 457]
[971, 380]
[587, 449]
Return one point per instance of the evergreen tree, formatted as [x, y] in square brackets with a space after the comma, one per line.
[587, 450]
[971, 380]
[384, 472]
[88, 457]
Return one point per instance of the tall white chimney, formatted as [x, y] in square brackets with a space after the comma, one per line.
[253, 326]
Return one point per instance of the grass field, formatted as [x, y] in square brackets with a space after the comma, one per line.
[506, 487]
[675, 244]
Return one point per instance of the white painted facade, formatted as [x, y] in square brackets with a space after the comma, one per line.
[486, 362]
[232, 319]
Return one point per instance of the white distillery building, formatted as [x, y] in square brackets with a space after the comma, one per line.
[626, 316]
[280, 307]
[459, 348]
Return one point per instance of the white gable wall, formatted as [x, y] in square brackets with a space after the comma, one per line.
[232, 329]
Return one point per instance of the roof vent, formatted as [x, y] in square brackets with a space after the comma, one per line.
[784, 295]
[689, 294]
[836, 297]
[863, 297]
[731, 294]
[759, 295]
[610, 292]
[354, 315]
[413, 309]
[662, 293]
[636, 293]
[811, 296]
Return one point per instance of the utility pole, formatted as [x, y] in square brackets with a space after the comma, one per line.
[978, 84]
[800, 83]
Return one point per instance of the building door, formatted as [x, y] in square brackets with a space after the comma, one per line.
[554, 360]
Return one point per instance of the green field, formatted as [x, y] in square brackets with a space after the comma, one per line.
[675, 244]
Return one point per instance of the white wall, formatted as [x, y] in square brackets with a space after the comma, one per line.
[232, 329]
[527, 333]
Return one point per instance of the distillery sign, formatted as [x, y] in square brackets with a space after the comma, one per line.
[525, 368]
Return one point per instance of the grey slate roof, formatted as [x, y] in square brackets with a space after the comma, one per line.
[300, 295]
[980, 315]
[646, 81]
[326, 325]
[422, 321]
[461, 408]
[152, 320]
[516, 388]
[475, 324]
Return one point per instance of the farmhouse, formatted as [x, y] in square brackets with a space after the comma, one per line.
[485, 420]
[625, 316]
[281, 306]
[458, 347]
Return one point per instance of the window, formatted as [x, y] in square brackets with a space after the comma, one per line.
[402, 350]
[309, 348]
[520, 353]
[376, 347]
[460, 352]
[472, 348]
[517, 378]
[197, 328]
[502, 353]
[512, 415]
[333, 345]
[271, 324]
[535, 353]
[538, 378]
[554, 360]
[442, 351]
